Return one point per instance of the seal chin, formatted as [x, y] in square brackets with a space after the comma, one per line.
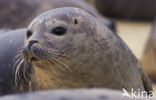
[28, 55]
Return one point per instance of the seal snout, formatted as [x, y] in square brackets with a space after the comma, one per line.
[27, 51]
[30, 47]
[35, 52]
[31, 43]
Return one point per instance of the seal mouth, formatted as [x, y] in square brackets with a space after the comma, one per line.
[34, 59]
[40, 53]
[29, 56]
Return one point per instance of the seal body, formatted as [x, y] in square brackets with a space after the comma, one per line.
[127, 9]
[3, 31]
[10, 43]
[29, 9]
[68, 48]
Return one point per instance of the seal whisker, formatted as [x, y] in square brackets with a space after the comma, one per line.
[63, 59]
[19, 53]
[17, 72]
[62, 64]
[16, 57]
[71, 60]
[50, 66]
[65, 55]
[16, 64]
[57, 64]
[17, 61]
[24, 72]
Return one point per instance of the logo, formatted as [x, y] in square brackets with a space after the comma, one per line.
[137, 94]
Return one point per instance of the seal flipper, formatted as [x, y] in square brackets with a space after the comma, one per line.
[146, 81]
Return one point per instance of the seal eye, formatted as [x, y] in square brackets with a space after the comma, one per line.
[59, 31]
[28, 34]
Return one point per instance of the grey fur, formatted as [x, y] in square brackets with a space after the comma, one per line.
[103, 59]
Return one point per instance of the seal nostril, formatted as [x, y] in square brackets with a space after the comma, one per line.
[31, 43]
[75, 21]
[29, 33]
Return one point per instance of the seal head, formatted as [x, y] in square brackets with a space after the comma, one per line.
[69, 48]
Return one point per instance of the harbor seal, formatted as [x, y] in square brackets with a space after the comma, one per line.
[29, 9]
[149, 55]
[69, 48]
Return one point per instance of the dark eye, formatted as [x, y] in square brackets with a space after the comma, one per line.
[29, 33]
[59, 31]
[75, 21]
